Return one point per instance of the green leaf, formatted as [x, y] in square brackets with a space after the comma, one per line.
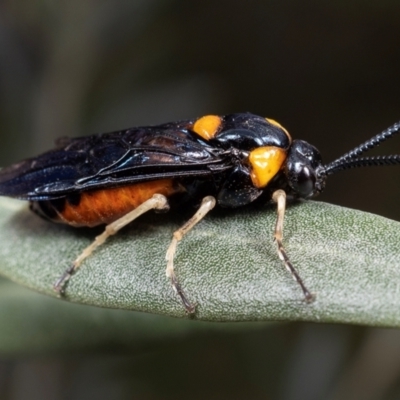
[228, 264]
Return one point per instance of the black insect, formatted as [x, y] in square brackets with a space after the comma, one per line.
[229, 160]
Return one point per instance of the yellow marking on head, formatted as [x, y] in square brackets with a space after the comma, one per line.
[278, 125]
[265, 163]
[208, 126]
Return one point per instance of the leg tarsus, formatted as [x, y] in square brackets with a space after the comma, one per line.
[279, 196]
[170, 273]
[207, 205]
[189, 307]
[59, 284]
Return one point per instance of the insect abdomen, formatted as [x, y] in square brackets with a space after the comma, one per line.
[103, 206]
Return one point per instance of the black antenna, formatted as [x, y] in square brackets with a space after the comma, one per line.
[350, 160]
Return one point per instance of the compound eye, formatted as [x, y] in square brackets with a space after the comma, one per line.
[302, 169]
[305, 182]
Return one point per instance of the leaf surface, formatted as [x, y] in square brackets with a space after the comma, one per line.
[227, 265]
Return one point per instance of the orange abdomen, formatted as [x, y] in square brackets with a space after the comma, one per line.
[106, 205]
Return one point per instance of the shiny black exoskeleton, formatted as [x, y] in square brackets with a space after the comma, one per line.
[173, 150]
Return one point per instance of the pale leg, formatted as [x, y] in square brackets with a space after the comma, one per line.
[157, 202]
[279, 196]
[207, 205]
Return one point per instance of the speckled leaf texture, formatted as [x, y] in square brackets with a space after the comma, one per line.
[227, 265]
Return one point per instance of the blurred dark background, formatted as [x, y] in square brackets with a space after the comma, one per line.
[328, 71]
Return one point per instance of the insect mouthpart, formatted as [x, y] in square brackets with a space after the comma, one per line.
[321, 175]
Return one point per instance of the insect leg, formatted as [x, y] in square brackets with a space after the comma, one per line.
[207, 205]
[158, 202]
[279, 196]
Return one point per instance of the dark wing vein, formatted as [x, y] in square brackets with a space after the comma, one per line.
[113, 159]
